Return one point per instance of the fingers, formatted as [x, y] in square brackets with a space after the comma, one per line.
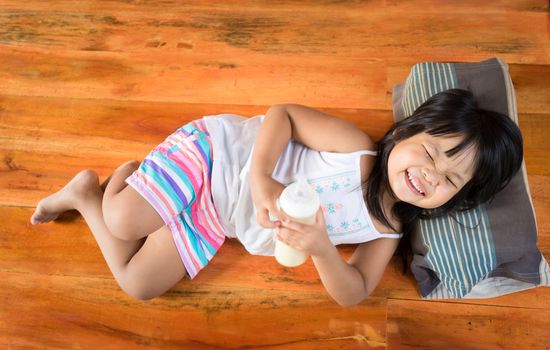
[263, 219]
[320, 218]
[319, 221]
[286, 236]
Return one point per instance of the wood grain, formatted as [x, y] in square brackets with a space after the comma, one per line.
[438, 325]
[91, 84]
[197, 317]
[132, 52]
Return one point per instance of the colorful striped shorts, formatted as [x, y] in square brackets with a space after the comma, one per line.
[175, 179]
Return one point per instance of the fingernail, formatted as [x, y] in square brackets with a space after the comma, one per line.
[285, 220]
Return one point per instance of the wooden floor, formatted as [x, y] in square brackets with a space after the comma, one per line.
[91, 84]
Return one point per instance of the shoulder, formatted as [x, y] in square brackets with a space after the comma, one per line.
[382, 228]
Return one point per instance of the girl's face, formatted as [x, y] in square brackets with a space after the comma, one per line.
[420, 173]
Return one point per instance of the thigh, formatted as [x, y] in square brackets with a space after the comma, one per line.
[138, 216]
[127, 214]
[168, 181]
[155, 268]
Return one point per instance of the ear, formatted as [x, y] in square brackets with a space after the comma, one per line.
[396, 131]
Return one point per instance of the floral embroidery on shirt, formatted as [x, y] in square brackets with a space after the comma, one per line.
[319, 189]
[333, 183]
[331, 208]
[344, 227]
[333, 187]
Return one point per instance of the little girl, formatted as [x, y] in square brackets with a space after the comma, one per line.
[220, 176]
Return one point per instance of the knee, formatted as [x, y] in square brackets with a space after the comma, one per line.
[118, 222]
[129, 166]
[139, 293]
[117, 181]
[137, 289]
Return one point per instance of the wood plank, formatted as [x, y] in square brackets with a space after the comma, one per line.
[67, 248]
[532, 93]
[284, 27]
[243, 79]
[424, 6]
[193, 77]
[234, 298]
[250, 80]
[536, 146]
[83, 312]
[208, 51]
[45, 141]
[440, 325]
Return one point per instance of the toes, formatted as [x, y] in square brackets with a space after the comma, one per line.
[34, 220]
[40, 218]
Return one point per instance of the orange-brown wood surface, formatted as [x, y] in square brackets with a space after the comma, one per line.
[91, 84]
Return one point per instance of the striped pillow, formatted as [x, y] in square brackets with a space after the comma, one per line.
[490, 250]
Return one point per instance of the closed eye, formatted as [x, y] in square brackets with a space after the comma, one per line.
[446, 177]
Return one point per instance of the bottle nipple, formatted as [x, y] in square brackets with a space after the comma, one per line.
[301, 190]
[299, 200]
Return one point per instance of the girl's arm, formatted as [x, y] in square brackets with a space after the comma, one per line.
[312, 128]
[348, 283]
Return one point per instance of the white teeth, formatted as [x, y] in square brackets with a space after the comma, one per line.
[414, 183]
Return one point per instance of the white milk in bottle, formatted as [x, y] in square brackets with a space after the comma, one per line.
[300, 203]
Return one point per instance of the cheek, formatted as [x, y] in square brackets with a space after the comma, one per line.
[443, 196]
[403, 158]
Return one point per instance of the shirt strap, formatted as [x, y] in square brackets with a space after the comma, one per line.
[362, 152]
[390, 235]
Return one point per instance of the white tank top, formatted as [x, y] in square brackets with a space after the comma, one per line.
[335, 176]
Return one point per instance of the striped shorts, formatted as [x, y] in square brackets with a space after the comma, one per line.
[175, 179]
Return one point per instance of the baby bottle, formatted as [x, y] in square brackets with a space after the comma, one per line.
[300, 203]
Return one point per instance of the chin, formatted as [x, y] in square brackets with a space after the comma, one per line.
[421, 204]
[426, 206]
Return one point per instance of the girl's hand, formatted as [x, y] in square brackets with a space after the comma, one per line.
[311, 239]
[265, 192]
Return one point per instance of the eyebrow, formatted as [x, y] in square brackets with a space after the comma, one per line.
[436, 147]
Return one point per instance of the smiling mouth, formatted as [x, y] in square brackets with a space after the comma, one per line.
[412, 186]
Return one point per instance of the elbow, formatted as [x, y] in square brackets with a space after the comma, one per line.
[359, 296]
[347, 304]
[351, 302]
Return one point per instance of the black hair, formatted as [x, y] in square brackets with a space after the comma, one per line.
[498, 148]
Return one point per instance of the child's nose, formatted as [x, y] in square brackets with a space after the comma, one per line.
[431, 175]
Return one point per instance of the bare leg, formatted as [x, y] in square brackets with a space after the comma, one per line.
[144, 268]
[127, 214]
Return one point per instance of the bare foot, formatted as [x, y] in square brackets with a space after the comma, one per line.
[49, 208]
